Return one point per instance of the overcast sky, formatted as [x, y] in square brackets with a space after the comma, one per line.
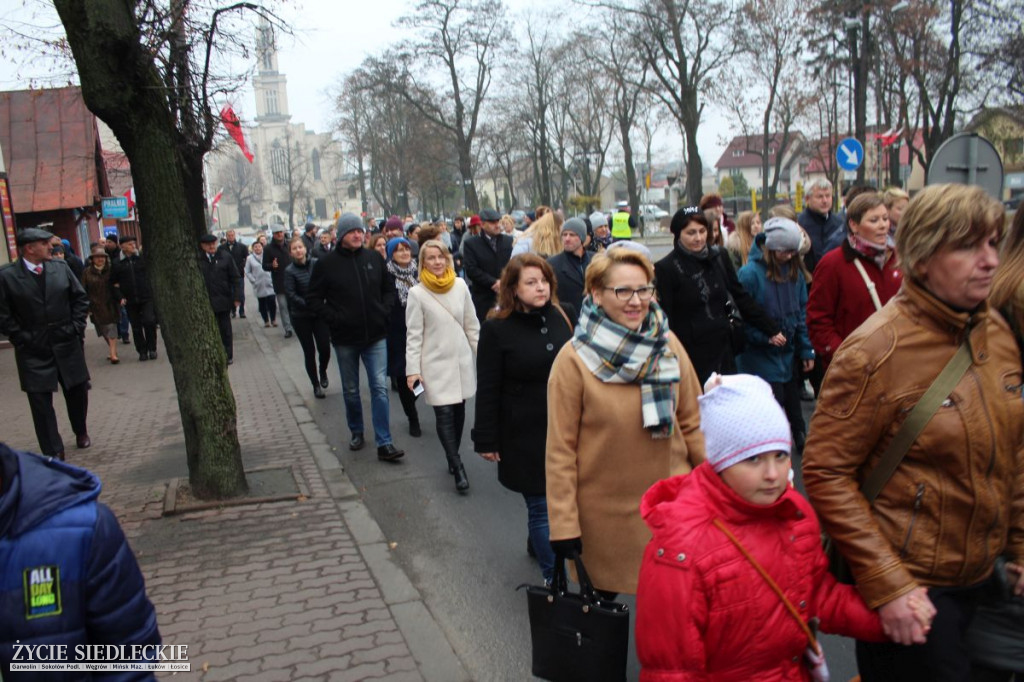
[331, 38]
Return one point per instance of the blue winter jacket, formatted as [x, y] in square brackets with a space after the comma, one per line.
[67, 574]
[772, 363]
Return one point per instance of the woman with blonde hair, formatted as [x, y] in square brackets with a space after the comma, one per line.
[544, 237]
[508, 225]
[748, 226]
[622, 401]
[440, 351]
[896, 201]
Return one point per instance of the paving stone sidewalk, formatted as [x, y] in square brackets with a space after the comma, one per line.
[295, 590]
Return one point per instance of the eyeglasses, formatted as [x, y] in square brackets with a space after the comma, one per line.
[626, 293]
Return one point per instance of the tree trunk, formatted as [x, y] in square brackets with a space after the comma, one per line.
[120, 92]
[694, 167]
[466, 173]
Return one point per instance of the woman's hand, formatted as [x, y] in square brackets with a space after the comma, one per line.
[411, 380]
[1015, 573]
[899, 618]
[778, 340]
[490, 456]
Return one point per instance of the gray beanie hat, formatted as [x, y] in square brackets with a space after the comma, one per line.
[348, 222]
[598, 219]
[782, 234]
[576, 225]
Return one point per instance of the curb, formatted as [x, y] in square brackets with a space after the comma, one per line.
[435, 658]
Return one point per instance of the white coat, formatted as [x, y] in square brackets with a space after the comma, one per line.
[441, 342]
[262, 283]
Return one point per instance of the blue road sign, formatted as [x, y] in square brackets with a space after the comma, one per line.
[850, 154]
[115, 207]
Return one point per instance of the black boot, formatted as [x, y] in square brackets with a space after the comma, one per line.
[447, 419]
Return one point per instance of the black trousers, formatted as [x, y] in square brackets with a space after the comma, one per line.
[268, 308]
[408, 401]
[142, 316]
[224, 327]
[44, 418]
[315, 338]
[787, 395]
[241, 297]
[943, 658]
[450, 420]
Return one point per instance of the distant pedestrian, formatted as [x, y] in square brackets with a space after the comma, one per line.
[309, 238]
[748, 226]
[222, 284]
[440, 352]
[353, 291]
[276, 258]
[405, 272]
[324, 245]
[818, 219]
[311, 329]
[239, 252]
[484, 257]
[104, 305]
[262, 285]
[74, 262]
[602, 232]
[518, 345]
[130, 279]
[543, 237]
[114, 255]
[623, 222]
[43, 311]
[570, 266]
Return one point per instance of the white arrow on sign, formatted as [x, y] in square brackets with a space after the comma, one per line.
[851, 155]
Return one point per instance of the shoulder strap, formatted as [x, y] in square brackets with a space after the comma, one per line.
[572, 329]
[771, 583]
[868, 283]
[918, 418]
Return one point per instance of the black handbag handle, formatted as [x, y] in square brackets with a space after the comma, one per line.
[560, 583]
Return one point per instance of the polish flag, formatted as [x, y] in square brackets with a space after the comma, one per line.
[130, 196]
[234, 128]
[214, 202]
[890, 136]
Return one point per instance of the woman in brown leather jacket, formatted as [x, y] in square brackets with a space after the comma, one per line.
[955, 502]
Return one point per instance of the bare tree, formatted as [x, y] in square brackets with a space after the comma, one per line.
[242, 184]
[146, 71]
[457, 36]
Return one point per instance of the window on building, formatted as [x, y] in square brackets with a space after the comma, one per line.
[244, 214]
[321, 208]
[278, 165]
[1014, 147]
[735, 172]
[738, 153]
[271, 100]
[351, 191]
[316, 164]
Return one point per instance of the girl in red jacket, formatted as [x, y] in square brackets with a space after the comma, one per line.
[704, 612]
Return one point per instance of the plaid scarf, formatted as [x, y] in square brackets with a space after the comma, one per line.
[617, 355]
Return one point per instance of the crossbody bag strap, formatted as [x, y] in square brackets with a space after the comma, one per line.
[771, 583]
[918, 418]
[872, 289]
[565, 317]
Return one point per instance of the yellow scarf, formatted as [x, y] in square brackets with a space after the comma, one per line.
[438, 285]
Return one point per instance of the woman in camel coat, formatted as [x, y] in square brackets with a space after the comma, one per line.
[601, 457]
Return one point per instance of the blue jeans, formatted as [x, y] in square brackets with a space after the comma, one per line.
[540, 537]
[375, 359]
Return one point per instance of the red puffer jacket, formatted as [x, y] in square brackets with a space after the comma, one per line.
[705, 614]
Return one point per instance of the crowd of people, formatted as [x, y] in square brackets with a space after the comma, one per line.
[648, 412]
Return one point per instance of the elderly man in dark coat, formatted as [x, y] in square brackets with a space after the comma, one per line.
[223, 283]
[484, 256]
[43, 311]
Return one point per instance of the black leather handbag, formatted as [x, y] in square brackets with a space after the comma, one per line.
[576, 637]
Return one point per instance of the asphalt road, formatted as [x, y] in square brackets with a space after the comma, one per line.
[465, 553]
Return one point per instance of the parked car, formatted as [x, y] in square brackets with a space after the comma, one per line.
[652, 213]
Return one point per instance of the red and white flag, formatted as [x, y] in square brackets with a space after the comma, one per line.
[890, 136]
[214, 202]
[234, 128]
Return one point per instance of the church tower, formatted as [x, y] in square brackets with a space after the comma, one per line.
[269, 84]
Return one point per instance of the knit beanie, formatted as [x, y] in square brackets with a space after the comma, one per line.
[393, 244]
[598, 219]
[347, 223]
[628, 245]
[740, 418]
[394, 222]
[576, 225]
[782, 234]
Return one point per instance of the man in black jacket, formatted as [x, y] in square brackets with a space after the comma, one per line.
[570, 266]
[238, 252]
[309, 238]
[43, 311]
[222, 284]
[131, 285]
[484, 257]
[276, 258]
[353, 290]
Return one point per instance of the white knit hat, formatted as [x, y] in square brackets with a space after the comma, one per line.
[740, 418]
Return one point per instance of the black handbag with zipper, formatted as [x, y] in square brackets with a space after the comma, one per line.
[576, 637]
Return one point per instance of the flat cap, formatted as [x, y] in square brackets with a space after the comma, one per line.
[207, 238]
[489, 215]
[33, 234]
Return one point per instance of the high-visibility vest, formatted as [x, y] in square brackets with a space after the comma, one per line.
[620, 226]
